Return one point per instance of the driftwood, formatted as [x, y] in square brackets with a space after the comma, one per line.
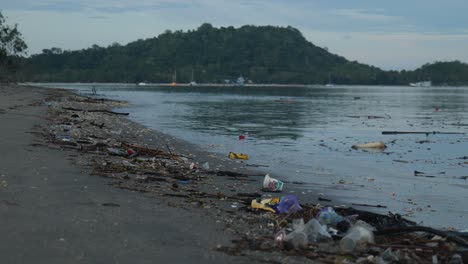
[409, 229]
[423, 174]
[369, 205]
[369, 116]
[94, 110]
[419, 132]
[151, 152]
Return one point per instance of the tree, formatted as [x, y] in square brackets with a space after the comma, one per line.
[11, 45]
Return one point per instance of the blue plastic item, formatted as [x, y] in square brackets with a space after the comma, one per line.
[288, 204]
[328, 216]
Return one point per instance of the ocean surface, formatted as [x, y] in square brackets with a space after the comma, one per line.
[305, 134]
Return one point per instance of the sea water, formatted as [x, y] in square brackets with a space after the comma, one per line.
[304, 134]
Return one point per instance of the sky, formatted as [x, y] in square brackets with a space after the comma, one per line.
[392, 35]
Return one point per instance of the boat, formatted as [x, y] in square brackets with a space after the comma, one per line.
[142, 84]
[421, 84]
[174, 79]
[192, 82]
[330, 83]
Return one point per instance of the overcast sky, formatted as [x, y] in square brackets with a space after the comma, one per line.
[396, 34]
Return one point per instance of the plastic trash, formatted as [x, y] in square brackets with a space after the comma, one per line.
[456, 259]
[241, 137]
[193, 166]
[357, 237]
[377, 145]
[64, 138]
[116, 152]
[298, 224]
[316, 232]
[269, 205]
[297, 238]
[131, 153]
[272, 184]
[288, 204]
[206, 166]
[242, 156]
[390, 256]
[128, 164]
[328, 216]
[280, 237]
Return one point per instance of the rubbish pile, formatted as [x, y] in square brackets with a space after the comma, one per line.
[347, 235]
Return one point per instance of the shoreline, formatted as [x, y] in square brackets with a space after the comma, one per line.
[222, 198]
[198, 85]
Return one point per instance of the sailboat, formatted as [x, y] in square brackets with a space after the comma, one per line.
[174, 79]
[329, 84]
[192, 82]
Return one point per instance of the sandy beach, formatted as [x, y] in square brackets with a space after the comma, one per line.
[53, 211]
[68, 195]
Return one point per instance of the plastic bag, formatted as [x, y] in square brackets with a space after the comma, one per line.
[288, 204]
[328, 216]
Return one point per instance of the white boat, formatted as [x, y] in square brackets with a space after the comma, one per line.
[192, 82]
[142, 84]
[330, 83]
[421, 84]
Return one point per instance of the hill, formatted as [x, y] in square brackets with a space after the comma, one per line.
[263, 54]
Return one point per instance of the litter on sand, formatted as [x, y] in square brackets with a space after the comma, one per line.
[242, 156]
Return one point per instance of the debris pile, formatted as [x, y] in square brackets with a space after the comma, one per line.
[111, 146]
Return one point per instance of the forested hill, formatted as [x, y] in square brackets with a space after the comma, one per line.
[263, 54]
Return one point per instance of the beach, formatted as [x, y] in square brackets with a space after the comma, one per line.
[53, 211]
[69, 195]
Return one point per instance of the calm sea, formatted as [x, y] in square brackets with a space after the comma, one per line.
[305, 134]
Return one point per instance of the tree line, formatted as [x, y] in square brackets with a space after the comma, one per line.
[261, 54]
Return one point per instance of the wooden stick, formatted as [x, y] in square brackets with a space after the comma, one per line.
[370, 205]
[419, 132]
[97, 110]
[426, 229]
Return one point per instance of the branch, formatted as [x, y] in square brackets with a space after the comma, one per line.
[98, 110]
[426, 229]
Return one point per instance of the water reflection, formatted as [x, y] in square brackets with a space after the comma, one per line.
[265, 119]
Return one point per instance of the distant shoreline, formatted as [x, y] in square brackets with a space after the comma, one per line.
[221, 85]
